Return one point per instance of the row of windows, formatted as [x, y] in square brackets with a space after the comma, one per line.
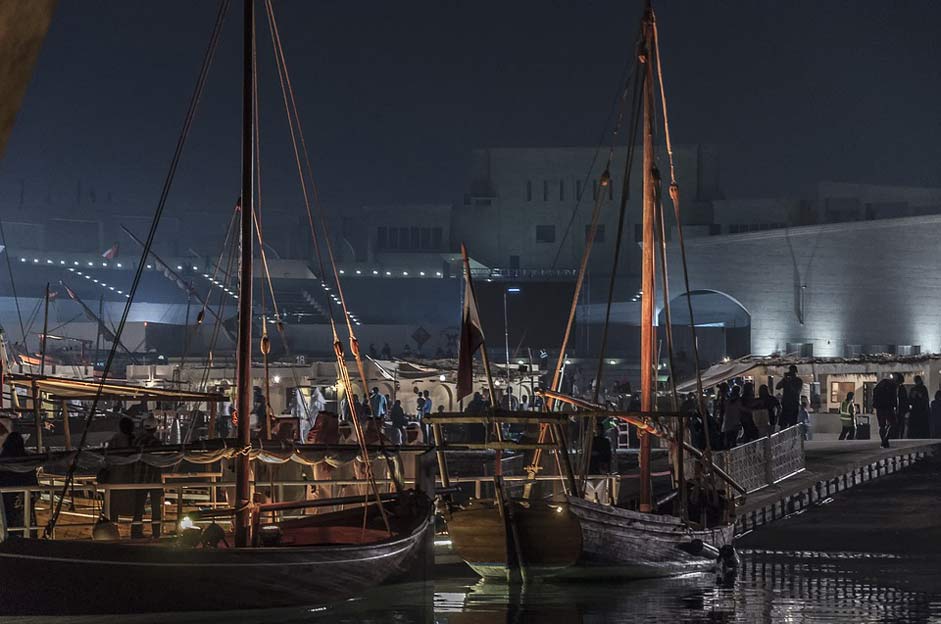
[549, 190]
[546, 233]
[409, 238]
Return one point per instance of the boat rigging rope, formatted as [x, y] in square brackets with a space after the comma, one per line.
[596, 214]
[158, 213]
[675, 198]
[616, 111]
[290, 105]
[634, 124]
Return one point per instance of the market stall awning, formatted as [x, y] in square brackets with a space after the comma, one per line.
[87, 389]
[717, 373]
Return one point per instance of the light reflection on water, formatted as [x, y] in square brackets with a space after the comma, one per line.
[772, 587]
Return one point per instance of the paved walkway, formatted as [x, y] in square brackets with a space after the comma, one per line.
[840, 464]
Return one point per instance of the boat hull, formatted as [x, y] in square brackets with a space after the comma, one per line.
[85, 577]
[581, 539]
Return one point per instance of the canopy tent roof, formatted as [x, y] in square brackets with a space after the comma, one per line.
[717, 373]
[724, 371]
[87, 389]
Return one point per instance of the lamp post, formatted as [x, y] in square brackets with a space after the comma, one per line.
[506, 334]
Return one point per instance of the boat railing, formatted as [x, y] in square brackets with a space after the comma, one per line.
[184, 493]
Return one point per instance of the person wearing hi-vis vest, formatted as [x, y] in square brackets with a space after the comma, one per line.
[848, 418]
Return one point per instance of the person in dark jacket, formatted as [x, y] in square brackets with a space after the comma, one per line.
[259, 410]
[750, 431]
[600, 462]
[934, 428]
[148, 474]
[885, 400]
[790, 386]
[902, 408]
[918, 399]
[14, 503]
[399, 422]
[121, 501]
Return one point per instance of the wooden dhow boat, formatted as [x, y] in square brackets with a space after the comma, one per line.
[567, 535]
[308, 560]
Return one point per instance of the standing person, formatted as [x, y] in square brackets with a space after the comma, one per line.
[885, 399]
[902, 408]
[399, 422]
[791, 386]
[720, 402]
[848, 417]
[934, 428]
[148, 474]
[309, 415]
[224, 417]
[750, 430]
[419, 404]
[259, 409]
[772, 405]
[345, 411]
[377, 404]
[803, 419]
[732, 423]
[918, 416]
[386, 352]
[14, 503]
[426, 411]
[509, 401]
[476, 405]
[122, 501]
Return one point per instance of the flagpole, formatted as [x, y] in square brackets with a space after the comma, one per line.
[483, 352]
[485, 359]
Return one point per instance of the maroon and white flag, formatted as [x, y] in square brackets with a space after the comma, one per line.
[472, 335]
[111, 253]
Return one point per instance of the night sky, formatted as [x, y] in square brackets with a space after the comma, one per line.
[395, 94]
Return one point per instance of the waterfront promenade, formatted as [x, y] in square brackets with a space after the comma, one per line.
[831, 466]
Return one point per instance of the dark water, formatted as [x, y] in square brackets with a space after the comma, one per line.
[797, 587]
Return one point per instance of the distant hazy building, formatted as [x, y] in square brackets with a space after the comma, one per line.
[530, 208]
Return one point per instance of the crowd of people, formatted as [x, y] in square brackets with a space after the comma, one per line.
[737, 414]
[904, 411]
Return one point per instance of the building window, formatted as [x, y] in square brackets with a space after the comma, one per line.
[529, 190]
[800, 349]
[404, 239]
[483, 201]
[545, 190]
[561, 190]
[382, 238]
[578, 190]
[599, 233]
[514, 263]
[545, 233]
[909, 350]
[436, 238]
[852, 350]
[426, 238]
[393, 238]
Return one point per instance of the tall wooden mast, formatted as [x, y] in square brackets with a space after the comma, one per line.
[647, 285]
[243, 386]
